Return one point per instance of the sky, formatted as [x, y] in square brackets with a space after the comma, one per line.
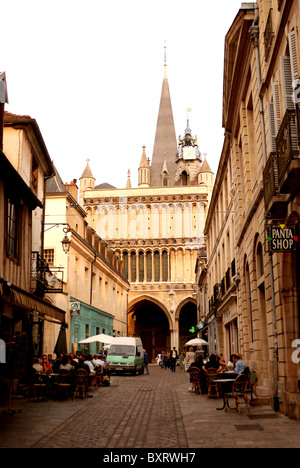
[90, 73]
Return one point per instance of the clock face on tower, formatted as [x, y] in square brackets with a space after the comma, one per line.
[189, 153]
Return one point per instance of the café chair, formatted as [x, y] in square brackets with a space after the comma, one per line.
[39, 388]
[99, 377]
[81, 382]
[212, 387]
[251, 385]
[195, 375]
[238, 392]
[63, 384]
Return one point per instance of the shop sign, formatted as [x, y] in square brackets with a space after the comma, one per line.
[282, 238]
[75, 308]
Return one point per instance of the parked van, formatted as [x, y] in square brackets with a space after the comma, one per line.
[126, 355]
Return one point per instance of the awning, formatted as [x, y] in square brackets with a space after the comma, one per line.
[28, 301]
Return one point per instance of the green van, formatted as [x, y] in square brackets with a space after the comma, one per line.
[126, 354]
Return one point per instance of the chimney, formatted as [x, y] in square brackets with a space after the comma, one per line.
[3, 100]
[73, 189]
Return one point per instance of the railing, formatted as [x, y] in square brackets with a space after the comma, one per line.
[270, 176]
[287, 149]
[286, 142]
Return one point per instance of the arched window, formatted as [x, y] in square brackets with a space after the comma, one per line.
[125, 263]
[184, 178]
[249, 300]
[149, 266]
[141, 267]
[259, 261]
[165, 266]
[133, 267]
[156, 266]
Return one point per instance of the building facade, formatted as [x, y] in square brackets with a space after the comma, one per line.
[24, 308]
[94, 288]
[252, 280]
[156, 230]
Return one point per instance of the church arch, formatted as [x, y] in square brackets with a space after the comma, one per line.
[149, 319]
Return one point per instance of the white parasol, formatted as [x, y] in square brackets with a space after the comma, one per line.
[196, 342]
[102, 338]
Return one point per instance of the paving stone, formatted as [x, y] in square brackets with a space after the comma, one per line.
[155, 411]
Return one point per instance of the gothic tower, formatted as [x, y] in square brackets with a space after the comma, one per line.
[165, 146]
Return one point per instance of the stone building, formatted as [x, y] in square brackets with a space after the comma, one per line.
[251, 278]
[93, 289]
[156, 229]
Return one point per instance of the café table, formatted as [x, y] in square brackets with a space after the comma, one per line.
[224, 382]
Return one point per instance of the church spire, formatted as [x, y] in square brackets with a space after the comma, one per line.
[144, 170]
[165, 144]
[128, 184]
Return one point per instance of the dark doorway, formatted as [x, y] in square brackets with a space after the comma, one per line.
[151, 324]
[187, 320]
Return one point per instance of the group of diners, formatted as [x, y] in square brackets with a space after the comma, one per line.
[71, 363]
[235, 366]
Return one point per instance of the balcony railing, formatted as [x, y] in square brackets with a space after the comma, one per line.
[286, 142]
[44, 279]
[287, 150]
[270, 178]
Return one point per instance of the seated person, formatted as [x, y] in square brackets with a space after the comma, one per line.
[37, 366]
[46, 365]
[212, 363]
[197, 363]
[66, 364]
[239, 364]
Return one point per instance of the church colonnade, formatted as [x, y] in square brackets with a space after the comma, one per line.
[145, 221]
[149, 265]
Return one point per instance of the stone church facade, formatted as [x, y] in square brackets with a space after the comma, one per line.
[157, 230]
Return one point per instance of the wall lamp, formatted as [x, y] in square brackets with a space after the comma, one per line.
[66, 243]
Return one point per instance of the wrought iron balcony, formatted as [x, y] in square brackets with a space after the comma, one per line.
[281, 174]
[44, 279]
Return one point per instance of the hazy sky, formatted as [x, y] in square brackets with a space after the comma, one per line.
[91, 73]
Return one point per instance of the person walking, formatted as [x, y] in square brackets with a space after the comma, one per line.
[146, 361]
[173, 357]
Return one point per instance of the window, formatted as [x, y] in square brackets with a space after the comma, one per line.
[49, 256]
[184, 178]
[12, 228]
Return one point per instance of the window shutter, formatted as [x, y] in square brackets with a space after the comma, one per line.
[276, 106]
[271, 127]
[286, 80]
[293, 55]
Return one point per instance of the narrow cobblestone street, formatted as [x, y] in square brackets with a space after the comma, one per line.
[154, 411]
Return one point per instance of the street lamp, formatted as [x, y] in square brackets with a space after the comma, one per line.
[66, 243]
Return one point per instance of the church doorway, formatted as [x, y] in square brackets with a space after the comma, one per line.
[187, 320]
[148, 321]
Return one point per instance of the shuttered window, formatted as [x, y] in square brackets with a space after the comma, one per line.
[12, 228]
[271, 127]
[276, 106]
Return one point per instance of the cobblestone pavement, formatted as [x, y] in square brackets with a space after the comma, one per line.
[154, 411]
